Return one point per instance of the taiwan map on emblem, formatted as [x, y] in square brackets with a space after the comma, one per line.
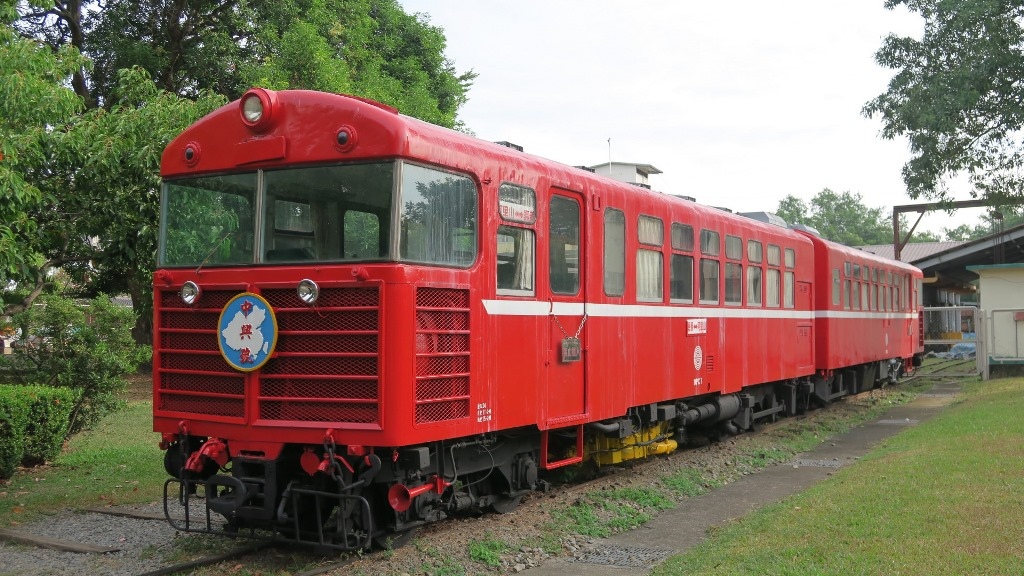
[247, 332]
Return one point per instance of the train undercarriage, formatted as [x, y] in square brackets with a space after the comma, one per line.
[338, 497]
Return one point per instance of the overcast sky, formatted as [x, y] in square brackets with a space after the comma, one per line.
[738, 103]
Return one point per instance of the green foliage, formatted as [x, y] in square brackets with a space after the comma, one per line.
[991, 223]
[86, 348]
[601, 514]
[843, 218]
[33, 424]
[840, 217]
[687, 482]
[14, 410]
[440, 564]
[487, 550]
[905, 508]
[79, 190]
[49, 420]
[34, 99]
[956, 95]
[371, 48]
[117, 461]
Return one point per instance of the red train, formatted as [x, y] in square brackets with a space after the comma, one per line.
[364, 322]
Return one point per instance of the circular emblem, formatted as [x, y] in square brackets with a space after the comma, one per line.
[698, 358]
[247, 332]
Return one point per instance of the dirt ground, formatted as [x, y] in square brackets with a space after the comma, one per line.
[140, 387]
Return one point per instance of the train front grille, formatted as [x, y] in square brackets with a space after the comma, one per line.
[325, 366]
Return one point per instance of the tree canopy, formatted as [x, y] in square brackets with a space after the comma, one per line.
[958, 97]
[91, 93]
[843, 218]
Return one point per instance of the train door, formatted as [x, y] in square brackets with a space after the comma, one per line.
[565, 395]
[805, 326]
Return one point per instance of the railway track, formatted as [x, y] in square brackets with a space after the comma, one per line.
[116, 557]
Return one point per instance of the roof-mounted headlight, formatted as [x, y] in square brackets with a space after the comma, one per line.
[308, 291]
[257, 108]
[252, 108]
[190, 293]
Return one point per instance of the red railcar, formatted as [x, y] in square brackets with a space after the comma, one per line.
[364, 322]
[868, 317]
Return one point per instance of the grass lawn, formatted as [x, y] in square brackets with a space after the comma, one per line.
[943, 497]
[117, 462]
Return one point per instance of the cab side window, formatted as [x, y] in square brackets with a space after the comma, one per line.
[516, 241]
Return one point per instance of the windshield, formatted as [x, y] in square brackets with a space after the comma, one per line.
[323, 213]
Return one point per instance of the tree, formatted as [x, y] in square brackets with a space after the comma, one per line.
[991, 223]
[842, 218]
[34, 103]
[957, 96]
[370, 48]
[79, 185]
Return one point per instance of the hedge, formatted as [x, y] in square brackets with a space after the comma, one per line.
[49, 419]
[33, 424]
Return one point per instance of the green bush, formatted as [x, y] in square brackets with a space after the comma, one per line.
[49, 419]
[14, 408]
[86, 347]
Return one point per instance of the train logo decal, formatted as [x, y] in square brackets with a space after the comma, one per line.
[698, 358]
[247, 332]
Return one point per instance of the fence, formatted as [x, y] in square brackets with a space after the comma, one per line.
[954, 336]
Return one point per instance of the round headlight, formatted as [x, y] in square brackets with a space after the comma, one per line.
[252, 108]
[308, 291]
[190, 293]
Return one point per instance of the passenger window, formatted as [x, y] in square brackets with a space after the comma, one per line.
[733, 247]
[709, 243]
[649, 284]
[681, 282]
[754, 251]
[650, 263]
[789, 279]
[771, 286]
[835, 287]
[682, 237]
[516, 251]
[754, 287]
[733, 283]
[709, 281]
[517, 203]
[614, 252]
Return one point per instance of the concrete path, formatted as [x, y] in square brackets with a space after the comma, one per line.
[677, 530]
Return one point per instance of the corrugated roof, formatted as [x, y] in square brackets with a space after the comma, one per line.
[912, 252]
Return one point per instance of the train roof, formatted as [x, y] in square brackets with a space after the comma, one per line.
[303, 127]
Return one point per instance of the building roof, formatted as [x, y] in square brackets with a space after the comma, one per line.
[911, 252]
[952, 264]
[1005, 247]
[645, 169]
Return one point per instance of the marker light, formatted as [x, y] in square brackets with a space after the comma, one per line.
[190, 293]
[308, 291]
